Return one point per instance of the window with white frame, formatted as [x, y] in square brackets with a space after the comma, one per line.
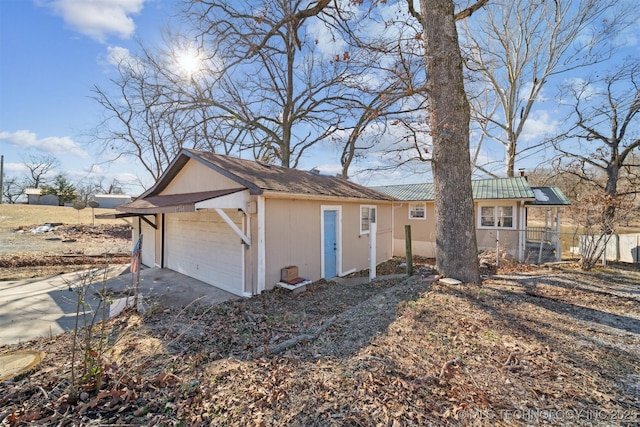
[417, 211]
[497, 216]
[367, 216]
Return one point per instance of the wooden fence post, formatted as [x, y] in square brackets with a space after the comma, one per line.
[409, 253]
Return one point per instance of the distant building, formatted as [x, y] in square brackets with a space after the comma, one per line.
[33, 195]
[110, 201]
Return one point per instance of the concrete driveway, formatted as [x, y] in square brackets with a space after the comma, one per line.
[47, 306]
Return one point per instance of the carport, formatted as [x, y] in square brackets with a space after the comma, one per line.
[200, 234]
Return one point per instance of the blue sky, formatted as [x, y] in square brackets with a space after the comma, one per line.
[51, 54]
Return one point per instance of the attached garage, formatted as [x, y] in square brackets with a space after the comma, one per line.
[202, 245]
[235, 223]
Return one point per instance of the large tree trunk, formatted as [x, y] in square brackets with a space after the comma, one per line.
[456, 245]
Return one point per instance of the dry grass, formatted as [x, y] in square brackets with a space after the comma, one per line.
[547, 346]
[15, 216]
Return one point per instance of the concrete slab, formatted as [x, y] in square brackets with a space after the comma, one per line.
[45, 307]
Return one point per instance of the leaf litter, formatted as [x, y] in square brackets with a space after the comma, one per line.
[530, 346]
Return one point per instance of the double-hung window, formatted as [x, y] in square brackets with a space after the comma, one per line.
[417, 211]
[496, 216]
[367, 216]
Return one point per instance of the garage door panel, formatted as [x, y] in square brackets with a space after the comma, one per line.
[203, 246]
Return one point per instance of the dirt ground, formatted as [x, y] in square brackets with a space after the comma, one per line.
[530, 346]
[64, 249]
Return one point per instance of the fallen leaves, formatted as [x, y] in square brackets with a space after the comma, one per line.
[395, 353]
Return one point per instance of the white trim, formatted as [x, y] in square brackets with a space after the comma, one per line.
[234, 227]
[346, 273]
[514, 217]
[338, 210]
[262, 246]
[237, 200]
[373, 237]
[375, 208]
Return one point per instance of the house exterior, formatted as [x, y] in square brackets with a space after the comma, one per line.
[110, 201]
[501, 216]
[33, 195]
[236, 224]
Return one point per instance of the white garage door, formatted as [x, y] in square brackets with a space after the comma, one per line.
[148, 244]
[203, 246]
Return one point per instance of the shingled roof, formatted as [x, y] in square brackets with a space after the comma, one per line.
[260, 178]
[483, 189]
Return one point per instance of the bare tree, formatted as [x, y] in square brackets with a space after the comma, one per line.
[516, 47]
[269, 31]
[602, 146]
[449, 117]
[277, 81]
[39, 167]
[12, 189]
[144, 115]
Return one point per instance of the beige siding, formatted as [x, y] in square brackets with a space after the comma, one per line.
[251, 254]
[356, 245]
[293, 237]
[423, 231]
[195, 177]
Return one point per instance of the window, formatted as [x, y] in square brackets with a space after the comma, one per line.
[496, 216]
[367, 216]
[417, 211]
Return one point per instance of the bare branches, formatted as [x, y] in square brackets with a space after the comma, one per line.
[513, 50]
[470, 10]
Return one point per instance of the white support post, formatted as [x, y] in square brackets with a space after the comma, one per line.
[373, 231]
[262, 248]
[233, 226]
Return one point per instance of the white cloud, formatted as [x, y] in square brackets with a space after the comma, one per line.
[538, 125]
[116, 55]
[15, 169]
[99, 18]
[57, 145]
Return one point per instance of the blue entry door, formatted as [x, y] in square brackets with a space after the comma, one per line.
[330, 244]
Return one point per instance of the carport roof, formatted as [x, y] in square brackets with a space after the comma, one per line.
[184, 202]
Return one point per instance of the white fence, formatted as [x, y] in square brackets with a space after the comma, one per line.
[620, 247]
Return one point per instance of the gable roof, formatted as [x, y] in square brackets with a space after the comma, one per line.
[260, 178]
[483, 189]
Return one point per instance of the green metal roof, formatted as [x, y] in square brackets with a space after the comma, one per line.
[502, 188]
[409, 192]
[483, 189]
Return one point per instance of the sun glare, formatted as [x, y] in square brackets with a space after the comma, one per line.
[189, 62]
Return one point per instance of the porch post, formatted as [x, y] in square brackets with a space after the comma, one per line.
[262, 248]
[522, 227]
[558, 245]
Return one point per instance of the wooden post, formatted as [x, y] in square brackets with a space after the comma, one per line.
[409, 253]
